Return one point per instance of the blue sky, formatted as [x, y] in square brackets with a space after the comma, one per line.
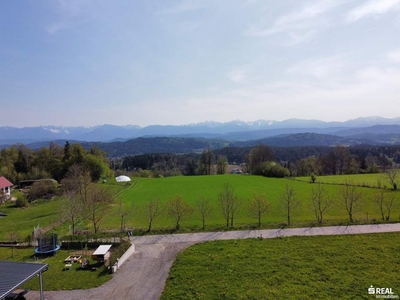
[91, 62]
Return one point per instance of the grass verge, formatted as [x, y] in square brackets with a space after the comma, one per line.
[320, 267]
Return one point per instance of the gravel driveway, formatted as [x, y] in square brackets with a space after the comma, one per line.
[143, 275]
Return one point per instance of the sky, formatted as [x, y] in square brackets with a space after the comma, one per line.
[92, 62]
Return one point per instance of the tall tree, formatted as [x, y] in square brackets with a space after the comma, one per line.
[97, 205]
[257, 156]
[178, 209]
[206, 162]
[222, 164]
[259, 206]
[72, 208]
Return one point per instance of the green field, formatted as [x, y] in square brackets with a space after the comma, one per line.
[320, 267]
[141, 190]
[366, 180]
[192, 187]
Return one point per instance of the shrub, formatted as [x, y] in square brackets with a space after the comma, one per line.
[42, 189]
[21, 201]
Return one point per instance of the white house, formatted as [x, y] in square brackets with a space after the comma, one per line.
[5, 187]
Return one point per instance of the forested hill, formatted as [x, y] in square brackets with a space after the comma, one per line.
[188, 145]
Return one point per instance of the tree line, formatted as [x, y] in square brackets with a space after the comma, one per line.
[268, 161]
[19, 162]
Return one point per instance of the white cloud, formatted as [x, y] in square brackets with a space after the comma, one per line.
[301, 25]
[372, 8]
[394, 56]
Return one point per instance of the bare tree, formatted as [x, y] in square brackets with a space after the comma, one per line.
[154, 209]
[203, 207]
[320, 202]
[385, 202]
[351, 199]
[288, 203]
[123, 211]
[229, 204]
[392, 176]
[97, 205]
[259, 206]
[179, 209]
[225, 201]
[72, 208]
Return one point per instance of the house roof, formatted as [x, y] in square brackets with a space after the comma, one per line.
[103, 249]
[4, 182]
[14, 274]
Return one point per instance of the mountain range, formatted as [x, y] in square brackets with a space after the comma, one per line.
[230, 131]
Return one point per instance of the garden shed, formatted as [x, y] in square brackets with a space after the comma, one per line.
[102, 253]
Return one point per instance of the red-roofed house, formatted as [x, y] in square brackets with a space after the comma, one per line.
[5, 186]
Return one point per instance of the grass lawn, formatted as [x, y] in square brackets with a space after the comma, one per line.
[319, 267]
[23, 220]
[55, 278]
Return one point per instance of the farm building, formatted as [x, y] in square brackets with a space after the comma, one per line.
[5, 187]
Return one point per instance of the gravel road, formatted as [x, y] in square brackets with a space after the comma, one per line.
[143, 275]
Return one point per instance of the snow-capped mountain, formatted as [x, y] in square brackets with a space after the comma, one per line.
[228, 130]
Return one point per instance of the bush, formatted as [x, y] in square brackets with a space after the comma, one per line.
[21, 201]
[273, 169]
[45, 189]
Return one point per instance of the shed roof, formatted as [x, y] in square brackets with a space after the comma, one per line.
[4, 182]
[102, 249]
[14, 274]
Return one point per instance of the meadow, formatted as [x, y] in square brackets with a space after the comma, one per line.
[245, 186]
[317, 267]
[365, 180]
[141, 190]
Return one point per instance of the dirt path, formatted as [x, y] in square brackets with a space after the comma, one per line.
[143, 275]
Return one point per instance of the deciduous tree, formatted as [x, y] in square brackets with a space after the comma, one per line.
[204, 208]
[385, 202]
[154, 208]
[320, 202]
[351, 199]
[178, 209]
[288, 203]
[259, 206]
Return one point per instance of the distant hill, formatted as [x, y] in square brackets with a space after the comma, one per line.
[187, 145]
[232, 131]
